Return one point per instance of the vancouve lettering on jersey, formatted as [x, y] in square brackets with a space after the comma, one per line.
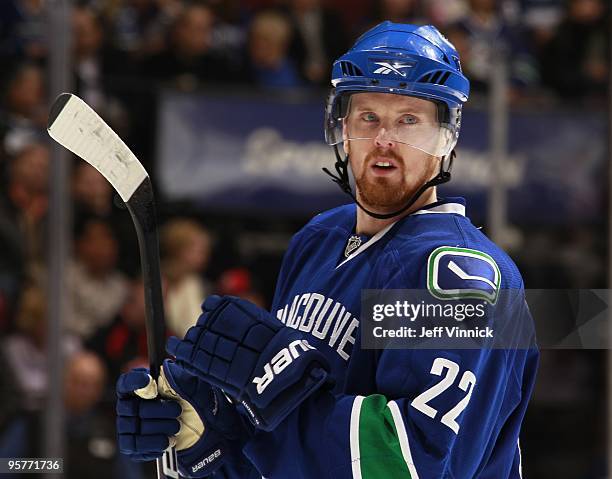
[322, 318]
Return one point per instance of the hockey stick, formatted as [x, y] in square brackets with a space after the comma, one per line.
[75, 126]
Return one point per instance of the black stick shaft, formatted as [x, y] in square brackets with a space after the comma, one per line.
[142, 209]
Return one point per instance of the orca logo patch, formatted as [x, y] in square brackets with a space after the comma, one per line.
[456, 273]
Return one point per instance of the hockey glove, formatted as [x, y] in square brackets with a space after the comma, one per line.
[179, 410]
[267, 368]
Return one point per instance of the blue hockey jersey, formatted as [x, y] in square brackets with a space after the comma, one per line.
[398, 413]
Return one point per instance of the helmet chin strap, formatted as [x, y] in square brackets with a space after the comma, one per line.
[342, 180]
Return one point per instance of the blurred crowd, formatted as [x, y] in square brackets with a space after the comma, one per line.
[104, 330]
[123, 52]
[560, 46]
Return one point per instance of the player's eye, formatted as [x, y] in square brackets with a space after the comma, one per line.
[409, 120]
[369, 117]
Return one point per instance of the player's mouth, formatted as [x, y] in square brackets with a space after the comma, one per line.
[383, 166]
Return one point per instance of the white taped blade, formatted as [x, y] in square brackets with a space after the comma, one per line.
[75, 126]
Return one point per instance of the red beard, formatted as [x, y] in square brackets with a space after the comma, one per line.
[388, 193]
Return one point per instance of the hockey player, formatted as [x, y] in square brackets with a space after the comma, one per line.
[292, 393]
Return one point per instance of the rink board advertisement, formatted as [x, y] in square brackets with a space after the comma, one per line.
[238, 152]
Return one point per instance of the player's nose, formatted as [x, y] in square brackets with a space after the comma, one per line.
[383, 139]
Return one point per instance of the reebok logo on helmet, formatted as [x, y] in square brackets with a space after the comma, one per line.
[386, 68]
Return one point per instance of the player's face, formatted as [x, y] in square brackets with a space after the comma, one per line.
[388, 172]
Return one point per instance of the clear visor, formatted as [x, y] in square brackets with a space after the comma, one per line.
[420, 129]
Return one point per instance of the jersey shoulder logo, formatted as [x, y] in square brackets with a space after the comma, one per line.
[395, 67]
[456, 273]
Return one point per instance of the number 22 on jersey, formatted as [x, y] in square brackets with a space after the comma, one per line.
[449, 371]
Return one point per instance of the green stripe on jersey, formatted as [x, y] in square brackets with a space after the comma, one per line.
[379, 444]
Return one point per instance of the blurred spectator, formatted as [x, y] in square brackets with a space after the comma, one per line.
[481, 35]
[185, 248]
[23, 112]
[90, 447]
[318, 39]
[576, 61]
[542, 19]
[239, 282]
[84, 382]
[93, 196]
[92, 193]
[91, 441]
[25, 350]
[139, 26]
[445, 12]
[23, 209]
[189, 59]
[98, 68]
[123, 344]
[97, 290]
[22, 29]
[269, 38]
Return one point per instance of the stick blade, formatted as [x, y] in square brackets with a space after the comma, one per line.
[57, 107]
[75, 126]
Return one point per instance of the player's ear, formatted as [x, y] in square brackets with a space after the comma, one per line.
[345, 143]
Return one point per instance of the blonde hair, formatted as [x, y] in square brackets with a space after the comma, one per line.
[177, 234]
[175, 237]
[31, 311]
[273, 25]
